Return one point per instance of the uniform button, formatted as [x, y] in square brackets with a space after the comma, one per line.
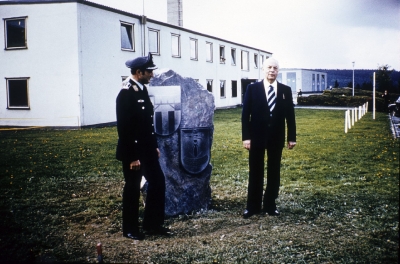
[151, 116]
[142, 107]
[152, 133]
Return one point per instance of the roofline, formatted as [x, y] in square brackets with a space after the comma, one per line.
[88, 3]
[300, 69]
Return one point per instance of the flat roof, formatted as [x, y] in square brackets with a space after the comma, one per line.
[18, 2]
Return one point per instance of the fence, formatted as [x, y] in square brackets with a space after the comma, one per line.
[350, 116]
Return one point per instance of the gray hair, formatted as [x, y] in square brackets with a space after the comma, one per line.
[270, 61]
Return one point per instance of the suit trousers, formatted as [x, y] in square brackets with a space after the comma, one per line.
[256, 177]
[155, 200]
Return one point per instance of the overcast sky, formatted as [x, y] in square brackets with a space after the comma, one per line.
[300, 33]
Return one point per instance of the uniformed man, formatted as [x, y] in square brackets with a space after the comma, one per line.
[137, 149]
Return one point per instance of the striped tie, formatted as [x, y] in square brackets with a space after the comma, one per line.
[271, 98]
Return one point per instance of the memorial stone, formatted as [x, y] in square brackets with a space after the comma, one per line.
[183, 117]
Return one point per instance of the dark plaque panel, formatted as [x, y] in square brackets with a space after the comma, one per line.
[195, 148]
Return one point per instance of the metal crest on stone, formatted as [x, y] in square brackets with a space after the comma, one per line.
[195, 148]
[167, 108]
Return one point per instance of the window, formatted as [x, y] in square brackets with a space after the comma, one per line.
[193, 49]
[209, 85]
[222, 89]
[127, 39]
[15, 33]
[234, 88]
[262, 60]
[233, 56]
[255, 60]
[291, 80]
[175, 45]
[222, 54]
[123, 78]
[245, 60]
[17, 93]
[209, 51]
[154, 41]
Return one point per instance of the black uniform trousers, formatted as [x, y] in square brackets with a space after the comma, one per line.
[256, 177]
[155, 200]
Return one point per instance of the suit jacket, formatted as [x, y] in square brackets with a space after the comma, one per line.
[258, 126]
[134, 123]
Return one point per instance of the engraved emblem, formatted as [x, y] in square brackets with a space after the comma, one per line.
[195, 148]
[167, 108]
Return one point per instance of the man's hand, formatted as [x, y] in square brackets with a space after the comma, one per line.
[135, 165]
[291, 144]
[246, 144]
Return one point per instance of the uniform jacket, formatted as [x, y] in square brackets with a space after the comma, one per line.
[258, 126]
[134, 122]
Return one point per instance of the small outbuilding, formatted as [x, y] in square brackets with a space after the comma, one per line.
[303, 81]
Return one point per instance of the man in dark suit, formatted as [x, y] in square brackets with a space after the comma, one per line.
[267, 105]
[138, 150]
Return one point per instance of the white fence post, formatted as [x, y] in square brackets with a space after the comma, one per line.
[345, 121]
[355, 110]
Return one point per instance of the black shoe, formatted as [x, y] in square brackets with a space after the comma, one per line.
[159, 230]
[248, 214]
[273, 213]
[134, 236]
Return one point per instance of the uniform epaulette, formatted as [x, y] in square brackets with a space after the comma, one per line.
[126, 85]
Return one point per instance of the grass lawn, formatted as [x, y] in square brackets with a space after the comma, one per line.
[339, 198]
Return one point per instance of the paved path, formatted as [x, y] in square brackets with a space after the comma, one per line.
[395, 126]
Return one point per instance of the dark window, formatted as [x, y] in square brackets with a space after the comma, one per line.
[222, 89]
[222, 54]
[15, 33]
[233, 56]
[17, 91]
[234, 88]
[209, 85]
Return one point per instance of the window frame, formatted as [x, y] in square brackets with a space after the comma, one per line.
[132, 25]
[179, 45]
[211, 88]
[157, 31]
[11, 107]
[6, 33]
[247, 60]
[255, 60]
[209, 47]
[195, 41]
[233, 58]
[222, 57]
[234, 88]
[222, 89]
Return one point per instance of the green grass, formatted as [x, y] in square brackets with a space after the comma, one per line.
[339, 199]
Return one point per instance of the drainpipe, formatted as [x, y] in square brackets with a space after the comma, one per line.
[143, 23]
[143, 20]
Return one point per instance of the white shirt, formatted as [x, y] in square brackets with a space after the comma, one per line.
[137, 83]
[266, 87]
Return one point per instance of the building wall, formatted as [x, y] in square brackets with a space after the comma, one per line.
[75, 62]
[50, 62]
[304, 80]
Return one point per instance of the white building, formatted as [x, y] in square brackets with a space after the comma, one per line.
[64, 61]
[307, 81]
